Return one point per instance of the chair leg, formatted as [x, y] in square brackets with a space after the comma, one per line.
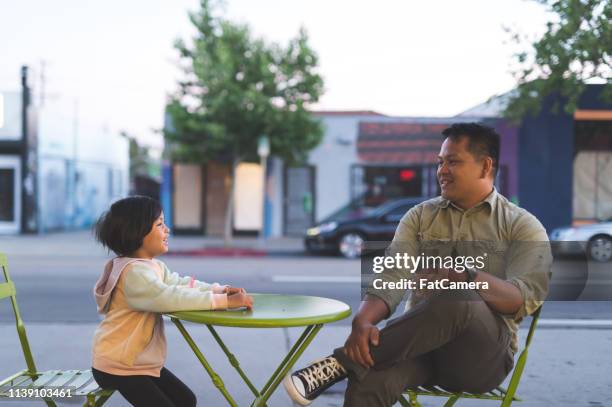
[402, 400]
[451, 401]
[508, 399]
[101, 400]
[92, 402]
[411, 401]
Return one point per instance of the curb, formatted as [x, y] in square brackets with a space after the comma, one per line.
[219, 252]
[551, 323]
[236, 252]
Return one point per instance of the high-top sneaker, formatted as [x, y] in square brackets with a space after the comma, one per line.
[305, 385]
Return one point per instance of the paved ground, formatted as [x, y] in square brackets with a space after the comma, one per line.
[568, 365]
[565, 367]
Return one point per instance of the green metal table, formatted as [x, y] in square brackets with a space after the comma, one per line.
[269, 311]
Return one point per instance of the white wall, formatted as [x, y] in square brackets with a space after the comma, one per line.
[10, 115]
[248, 202]
[333, 159]
[83, 166]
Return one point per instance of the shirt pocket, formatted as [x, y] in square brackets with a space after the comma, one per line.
[494, 255]
[432, 244]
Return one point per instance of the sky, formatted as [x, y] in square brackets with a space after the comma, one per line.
[112, 63]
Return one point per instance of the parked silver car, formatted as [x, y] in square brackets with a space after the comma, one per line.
[594, 240]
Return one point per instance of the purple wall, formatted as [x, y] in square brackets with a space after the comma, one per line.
[509, 156]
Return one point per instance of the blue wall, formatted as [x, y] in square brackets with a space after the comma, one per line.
[546, 154]
[546, 160]
[165, 193]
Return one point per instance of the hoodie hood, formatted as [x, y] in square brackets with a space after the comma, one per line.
[108, 280]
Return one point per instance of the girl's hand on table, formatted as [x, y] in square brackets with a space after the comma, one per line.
[240, 299]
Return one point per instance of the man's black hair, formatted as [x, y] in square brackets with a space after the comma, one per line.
[123, 227]
[483, 141]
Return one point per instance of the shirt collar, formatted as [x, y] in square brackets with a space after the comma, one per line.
[490, 200]
[443, 203]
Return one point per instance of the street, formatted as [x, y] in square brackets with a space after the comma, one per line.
[59, 288]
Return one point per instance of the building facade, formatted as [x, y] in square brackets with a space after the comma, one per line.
[564, 161]
[555, 165]
[58, 171]
[371, 158]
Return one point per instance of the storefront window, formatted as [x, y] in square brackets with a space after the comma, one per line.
[385, 183]
[7, 192]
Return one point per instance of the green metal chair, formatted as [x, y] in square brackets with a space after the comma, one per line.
[80, 382]
[506, 396]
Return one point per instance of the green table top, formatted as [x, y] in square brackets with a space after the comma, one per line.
[273, 311]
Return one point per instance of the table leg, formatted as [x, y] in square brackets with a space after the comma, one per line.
[216, 379]
[233, 361]
[281, 371]
[294, 354]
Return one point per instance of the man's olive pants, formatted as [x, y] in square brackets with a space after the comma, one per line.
[452, 339]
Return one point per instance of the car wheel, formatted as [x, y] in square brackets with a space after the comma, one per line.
[351, 245]
[600, 248]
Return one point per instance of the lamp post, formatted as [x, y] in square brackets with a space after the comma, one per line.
[263, 150]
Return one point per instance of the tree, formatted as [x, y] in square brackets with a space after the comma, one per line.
[576, 48]
[237, 88]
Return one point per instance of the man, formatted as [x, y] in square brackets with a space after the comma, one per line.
[459, 339]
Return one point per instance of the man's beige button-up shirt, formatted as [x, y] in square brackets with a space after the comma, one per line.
[513, 241]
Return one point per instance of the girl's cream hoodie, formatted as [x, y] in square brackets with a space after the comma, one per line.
[131, 294]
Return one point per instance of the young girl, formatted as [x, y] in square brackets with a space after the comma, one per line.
[129, 346]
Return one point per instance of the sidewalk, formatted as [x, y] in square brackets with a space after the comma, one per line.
[565, 367]
[82, 243]
[240, 246]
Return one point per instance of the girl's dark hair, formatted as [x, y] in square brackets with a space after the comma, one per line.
[123, 227]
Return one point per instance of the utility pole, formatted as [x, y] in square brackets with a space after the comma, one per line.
[263, 150]
[28, 160]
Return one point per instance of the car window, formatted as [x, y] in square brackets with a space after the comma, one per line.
[396, 214]
[400, 210]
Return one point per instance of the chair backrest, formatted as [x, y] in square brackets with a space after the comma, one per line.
[532, 327]
[7, 290]
[522, 359]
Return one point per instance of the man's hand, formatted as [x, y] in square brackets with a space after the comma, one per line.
[240, 299]
[443, 274]
[433, 274]
[357, 346]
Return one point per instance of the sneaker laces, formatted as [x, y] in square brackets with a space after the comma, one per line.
[321, 372]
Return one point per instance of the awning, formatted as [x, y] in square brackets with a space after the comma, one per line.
[400, 143]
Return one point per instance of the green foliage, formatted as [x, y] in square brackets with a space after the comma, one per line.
[576, 48]
[236, 88]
